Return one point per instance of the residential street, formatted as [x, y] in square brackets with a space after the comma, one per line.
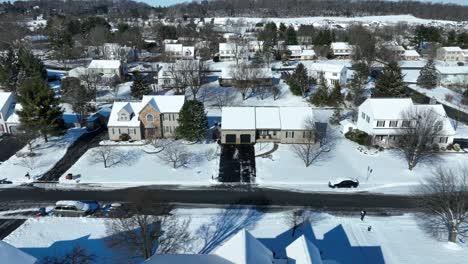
[27, 196]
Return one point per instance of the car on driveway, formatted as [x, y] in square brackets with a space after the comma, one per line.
[343, 183]
[75, 208]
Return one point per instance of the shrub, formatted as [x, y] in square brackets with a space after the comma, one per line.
[124, 137]
[435, 147]
[449, 147]
[456, 147]
[358, 136]
[449, 98]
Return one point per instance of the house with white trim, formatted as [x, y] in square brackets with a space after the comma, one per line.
[175, 51]
[410, 55]
[342, 50]
[152, 117]
[230, 50]
[383, 120]
[333, 73]
[299, 52]
[109, 70]
[450, 54]
[249, 125]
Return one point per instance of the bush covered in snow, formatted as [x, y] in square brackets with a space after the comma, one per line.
[358, 136]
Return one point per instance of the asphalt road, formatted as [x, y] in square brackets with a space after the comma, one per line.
[9, 225]
[239, 195]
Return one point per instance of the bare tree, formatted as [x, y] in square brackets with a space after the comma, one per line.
[189, 74]
[276, 91]
[28, 161]
[175, 154]
[108, 155]
[142, 234]
[77, 255]
[298, 217]
[223, 97]
[307, 149]
[28, 137]
[445, 196]
[240, 48]
[421, 126]
[91, 80]
[246, 77]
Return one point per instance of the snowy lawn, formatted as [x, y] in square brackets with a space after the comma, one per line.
[47, 155]
[390, 173]
[142, 165]
[344, 239]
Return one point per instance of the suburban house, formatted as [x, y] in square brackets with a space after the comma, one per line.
[410, 55]
[299, 52]
[450, 54]
[333, 73]
[179, 52]
[342, 50]
[264, 77]
[244, 248]
[166, 71]
[109, 70]
[113, 51]
[152, 117]
[308, 54]
[7, 106]
[13, 255]
[255, 46]
[382, 119]
[248, 125]
[452, 75]
[230, 50]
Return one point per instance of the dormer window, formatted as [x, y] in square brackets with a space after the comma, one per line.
[123, 117]
[150, 118]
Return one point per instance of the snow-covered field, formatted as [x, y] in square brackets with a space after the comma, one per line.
[344, 239]
[389, 169]
[136, 165]
[47, 155]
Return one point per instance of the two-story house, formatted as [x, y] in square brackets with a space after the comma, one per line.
[7, 105]
[410, 55]
[450, 54]
[383, 120]
[341, 50]
[113, 51]
[152, 117]
[248, 125]
[179, 51]
[299, 52]
[229, 51]
[333, 73]
[109, 70]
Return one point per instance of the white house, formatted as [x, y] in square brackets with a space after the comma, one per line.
[341, 49]
[230, 50]
[452, 75]
[382, 119]
[410, 55]
[296, 51]
[108, 69]
[153, 116]
[113, 51]
[264, 77]
[450, 54]
[13, 255]
[7, 106]
[179, 51]
[333, 73]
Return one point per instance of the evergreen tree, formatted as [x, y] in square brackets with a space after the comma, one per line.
[336, 117]
[335, 98]
[40, 109]
[358, 82]
[139, 87]
[291, 37]
[193, 121]
[282, 31]
[9, 70]
[298, 81]
[428, 77]
[320, 97]
[390, 82]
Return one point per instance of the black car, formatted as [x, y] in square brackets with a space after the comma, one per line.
[347, 183]
[5, 181]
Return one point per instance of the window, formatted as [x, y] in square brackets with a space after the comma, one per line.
[113, 130]
[134, 131]
[119, 131]
[150, 118]
[443, 139]
[380, 123]
[406, 123]
[367, 119]
[363, 115]
[123, 116]
[393, 123]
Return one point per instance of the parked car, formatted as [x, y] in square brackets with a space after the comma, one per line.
[343, 183]
[5, 181]
[75, 208]
[114, 210]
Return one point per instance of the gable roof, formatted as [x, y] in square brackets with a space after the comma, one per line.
[267, 118]
[238, 118]
[326, 67]
[452, 69]
[303, 251]
[104, 64]
[294, 118]
[243, 248]
[12, 255]
[452, 49]
[387, 108]
[340, 45]
[4, 97]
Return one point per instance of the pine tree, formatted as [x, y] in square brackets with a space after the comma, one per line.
[358, 82]
[390, 82]
[291, 38]
[336, 117]
[428, 77]
[320, 97]
[139, 86]
[9, 71]
[335, 98]
[298, 81]
[40, 109]
[193, 121]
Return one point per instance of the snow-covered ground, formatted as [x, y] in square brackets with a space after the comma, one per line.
[135, 165]
[389, 169]
[344, 239]
[47, 155]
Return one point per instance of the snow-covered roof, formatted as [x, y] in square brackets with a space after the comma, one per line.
[267, 118]
[411, 53]
[458, 49]
[294, 47]
[104, 64]
[227, 46]
[186, 259]
[303, 251]
[308, 52]
[77, 72]
[243, 248]
[13, 117]
[387, 108]
[326, 67]
[440, 111]
[4, 97]
[452, 69]
[12, 255]
[294, 118]
[340, 46]
[238, 118]
[163, 103]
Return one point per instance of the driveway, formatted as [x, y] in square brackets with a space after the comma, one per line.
[9, 145]
[237, 163]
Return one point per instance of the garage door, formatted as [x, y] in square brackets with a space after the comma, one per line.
[245, 139]
[231, 139]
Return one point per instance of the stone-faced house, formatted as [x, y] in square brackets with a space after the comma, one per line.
[153, 117]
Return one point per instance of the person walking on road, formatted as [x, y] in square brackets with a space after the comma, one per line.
[363, 214]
